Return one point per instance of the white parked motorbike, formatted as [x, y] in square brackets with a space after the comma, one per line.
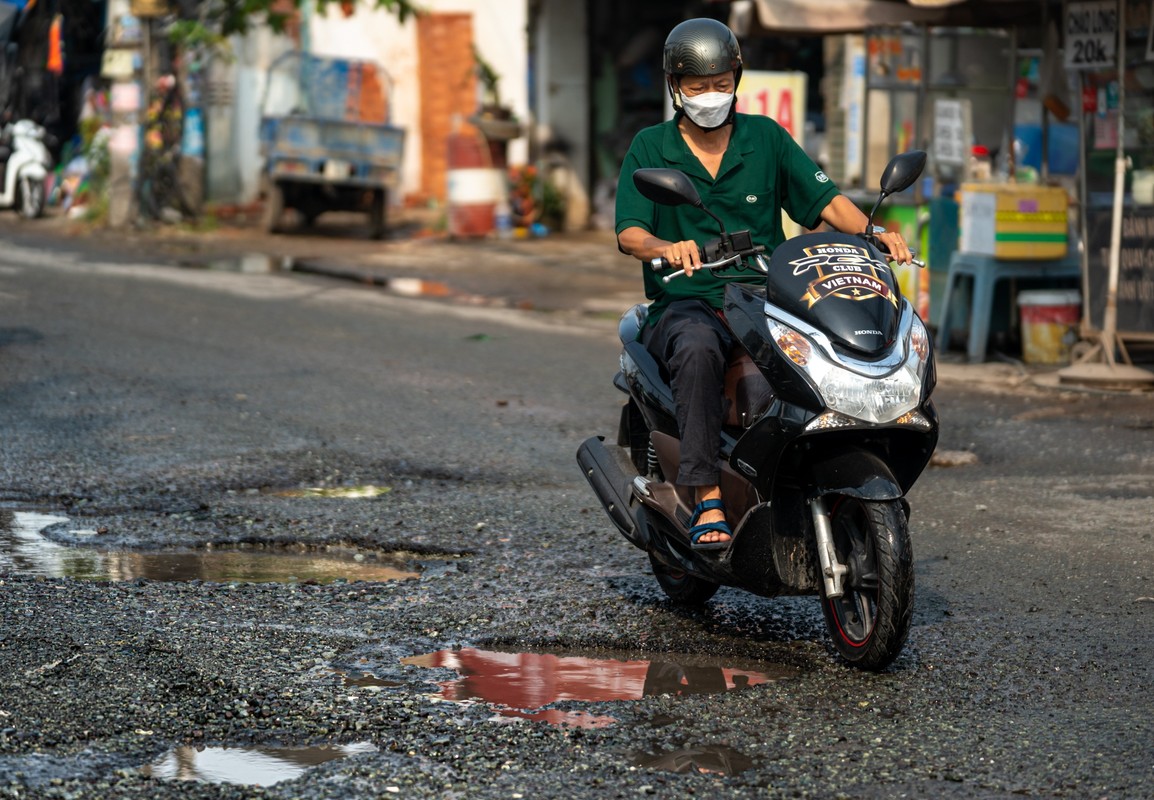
[25, 163]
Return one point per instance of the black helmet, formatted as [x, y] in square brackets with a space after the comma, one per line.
[701, 46]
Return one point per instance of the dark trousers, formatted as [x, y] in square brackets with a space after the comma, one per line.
[693, 343]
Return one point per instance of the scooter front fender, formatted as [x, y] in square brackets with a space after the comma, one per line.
[33, 169]
[854, 472]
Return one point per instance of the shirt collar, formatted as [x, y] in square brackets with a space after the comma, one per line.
[676, 152]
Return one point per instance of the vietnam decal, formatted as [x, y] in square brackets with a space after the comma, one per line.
[844, 271]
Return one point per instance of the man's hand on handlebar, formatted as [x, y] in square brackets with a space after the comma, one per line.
[684, 255]
[894, 245]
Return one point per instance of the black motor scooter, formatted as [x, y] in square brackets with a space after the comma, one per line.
[829, 424]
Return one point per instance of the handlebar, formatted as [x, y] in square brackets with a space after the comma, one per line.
[658, 264]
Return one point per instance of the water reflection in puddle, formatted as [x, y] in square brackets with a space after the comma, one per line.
[253, 766]
[24, 549]
[366, 492]
[365, 680]
[520, 684]
[714, 759]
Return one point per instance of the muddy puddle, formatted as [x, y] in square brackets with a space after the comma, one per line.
[520, 685]
[248, 263]
[250, 766]
[366, 492]
[24, 549]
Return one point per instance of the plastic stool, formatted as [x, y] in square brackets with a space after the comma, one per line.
[986, 271]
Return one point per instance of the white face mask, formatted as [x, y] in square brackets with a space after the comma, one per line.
[708, 109]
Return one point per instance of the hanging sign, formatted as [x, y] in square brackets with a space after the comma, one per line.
[118, 64]
[1091, 34]
[952, 131]
[150, 8]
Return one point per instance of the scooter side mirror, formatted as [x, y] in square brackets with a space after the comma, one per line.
[902, 171]
[668, 187]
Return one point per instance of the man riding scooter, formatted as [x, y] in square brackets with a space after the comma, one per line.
[748, 168]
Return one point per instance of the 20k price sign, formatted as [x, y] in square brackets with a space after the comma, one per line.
[1091, 34]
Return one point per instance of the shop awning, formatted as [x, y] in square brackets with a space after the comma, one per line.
[852, 16]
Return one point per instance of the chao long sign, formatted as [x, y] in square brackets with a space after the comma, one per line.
[1091, 34]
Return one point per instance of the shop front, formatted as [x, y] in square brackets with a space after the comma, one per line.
[1115, 92]
[1023, 110]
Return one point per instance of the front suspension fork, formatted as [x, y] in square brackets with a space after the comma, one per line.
[832, 571]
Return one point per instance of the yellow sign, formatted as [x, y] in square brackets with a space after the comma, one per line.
[149, 8]
[117, 64]
[778, 95]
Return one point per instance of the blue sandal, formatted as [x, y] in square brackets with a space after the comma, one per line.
[696, 531]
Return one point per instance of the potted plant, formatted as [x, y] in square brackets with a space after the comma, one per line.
[496, 121]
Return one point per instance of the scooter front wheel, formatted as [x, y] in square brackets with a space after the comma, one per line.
[681, 587]
[869, 623]
[29, 197]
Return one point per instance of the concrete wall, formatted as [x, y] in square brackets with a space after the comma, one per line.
[499, 30]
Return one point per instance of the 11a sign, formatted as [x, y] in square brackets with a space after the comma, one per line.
[780, 95]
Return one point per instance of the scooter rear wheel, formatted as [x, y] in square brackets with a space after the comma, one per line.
[869, 623]
[681, 587]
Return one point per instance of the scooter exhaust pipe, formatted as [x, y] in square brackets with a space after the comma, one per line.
[611, 475]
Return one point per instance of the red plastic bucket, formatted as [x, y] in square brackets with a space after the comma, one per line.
[1049, 324]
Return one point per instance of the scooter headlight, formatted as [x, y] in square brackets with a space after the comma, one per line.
[878, 400]
[869, 398]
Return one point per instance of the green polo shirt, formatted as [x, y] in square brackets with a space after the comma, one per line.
[763, 171]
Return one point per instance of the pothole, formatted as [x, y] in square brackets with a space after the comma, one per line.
[250, 766]
[521, 685]
[25, 550]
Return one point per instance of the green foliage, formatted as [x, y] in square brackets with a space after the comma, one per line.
[94, 191]
[216, 20]
[552, 205]
[488, 78]
[190, 34]
[1145, 152]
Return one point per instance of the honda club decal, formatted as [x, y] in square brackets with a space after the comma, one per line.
[843, 271]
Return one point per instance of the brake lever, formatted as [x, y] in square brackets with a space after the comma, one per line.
[722, 262]
[661, 263]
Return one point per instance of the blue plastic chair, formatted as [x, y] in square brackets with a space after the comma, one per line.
[985, 272]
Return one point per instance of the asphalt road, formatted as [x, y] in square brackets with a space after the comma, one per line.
[151, 407]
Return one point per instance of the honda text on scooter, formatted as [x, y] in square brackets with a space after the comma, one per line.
[829, 425]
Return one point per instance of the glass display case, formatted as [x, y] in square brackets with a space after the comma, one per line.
[909, 71]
